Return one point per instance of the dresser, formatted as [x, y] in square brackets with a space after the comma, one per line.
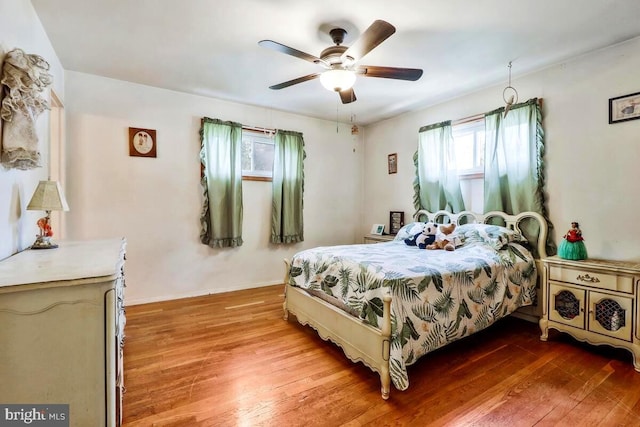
[594, 301]
[62, 329]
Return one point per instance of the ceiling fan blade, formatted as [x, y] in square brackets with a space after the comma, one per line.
[347, 96]
[295, 81]
[412, 74]
[377, 32]
[270, 44]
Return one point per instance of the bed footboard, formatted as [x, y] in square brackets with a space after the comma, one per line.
[359, 341]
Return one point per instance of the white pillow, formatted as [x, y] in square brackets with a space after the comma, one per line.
[409, 230]
[494, 235]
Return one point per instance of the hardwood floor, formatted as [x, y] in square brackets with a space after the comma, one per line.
[231, 360]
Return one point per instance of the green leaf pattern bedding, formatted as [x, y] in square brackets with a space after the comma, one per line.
[438, 296]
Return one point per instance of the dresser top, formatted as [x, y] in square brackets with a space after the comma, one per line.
[632, 267]
[72, 260]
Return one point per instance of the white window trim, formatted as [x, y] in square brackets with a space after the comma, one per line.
[265, 135]
[469, 122]
[471, 174]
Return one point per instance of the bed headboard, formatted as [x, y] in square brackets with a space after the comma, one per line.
[514, 222]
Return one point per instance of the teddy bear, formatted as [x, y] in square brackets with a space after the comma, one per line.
[445, 239]
[425, 238]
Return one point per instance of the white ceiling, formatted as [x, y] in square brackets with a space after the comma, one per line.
[210, 47]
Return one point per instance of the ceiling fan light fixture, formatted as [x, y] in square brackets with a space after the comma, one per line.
[337, 80]
[339, 61]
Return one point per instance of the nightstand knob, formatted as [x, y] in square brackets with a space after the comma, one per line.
[588, 279]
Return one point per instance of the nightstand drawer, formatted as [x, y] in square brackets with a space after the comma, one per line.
[589, 278]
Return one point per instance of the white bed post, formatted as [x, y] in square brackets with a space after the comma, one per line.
[385, 377]
[287, 264]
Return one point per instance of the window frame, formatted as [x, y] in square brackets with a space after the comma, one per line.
[260, 135]
[474, 122]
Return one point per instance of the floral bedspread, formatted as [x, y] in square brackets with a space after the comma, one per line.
[438, 296]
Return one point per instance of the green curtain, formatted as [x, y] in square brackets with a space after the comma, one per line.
[288, 188]
[436, 184]
[221, 157]
[513, 166]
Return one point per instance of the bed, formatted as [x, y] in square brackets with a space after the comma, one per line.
[388, 304]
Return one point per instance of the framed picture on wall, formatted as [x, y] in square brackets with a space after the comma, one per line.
[396, 221]
[624, 108]
[142, 142]
[392, 161]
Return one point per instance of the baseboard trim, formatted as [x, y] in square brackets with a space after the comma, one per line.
[139, 301]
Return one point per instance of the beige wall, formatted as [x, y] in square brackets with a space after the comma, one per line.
[592, 166]
[156, 203]
[21, 28]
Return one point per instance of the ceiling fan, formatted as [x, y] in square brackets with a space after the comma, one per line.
[340, 62]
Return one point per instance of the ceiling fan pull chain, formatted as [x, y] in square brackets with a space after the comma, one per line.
[337, 105]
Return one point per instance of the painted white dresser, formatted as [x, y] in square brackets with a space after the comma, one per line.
[62, 329]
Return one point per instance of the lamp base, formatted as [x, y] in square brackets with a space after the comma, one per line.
[43, 242]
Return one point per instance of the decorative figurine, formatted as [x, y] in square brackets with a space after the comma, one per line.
[43, 240]
[572, 245]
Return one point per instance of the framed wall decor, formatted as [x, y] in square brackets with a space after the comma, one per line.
[142, 142]
[623, 108]
[396, 221]
[377, 229]
[392, 162]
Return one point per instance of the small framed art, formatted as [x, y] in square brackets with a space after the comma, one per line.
[623, 108]
[142, 142]
[392, 162]
[396, 221]
[377, 229]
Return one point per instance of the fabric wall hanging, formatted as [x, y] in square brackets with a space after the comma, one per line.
[24, 77]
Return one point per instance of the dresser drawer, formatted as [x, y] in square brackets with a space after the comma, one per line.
[599, 280]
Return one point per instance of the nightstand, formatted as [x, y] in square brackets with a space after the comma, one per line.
[594, 301]
[376, 238]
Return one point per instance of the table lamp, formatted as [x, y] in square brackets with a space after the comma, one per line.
[47, 197]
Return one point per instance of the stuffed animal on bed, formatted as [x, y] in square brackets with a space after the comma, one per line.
[445, 238]
[425, 238]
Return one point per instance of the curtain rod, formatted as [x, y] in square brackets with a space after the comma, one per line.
[478, 117]
[253, 128]
[467, 119]
[258, 129]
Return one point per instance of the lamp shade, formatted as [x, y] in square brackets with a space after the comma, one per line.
[337, 80]
[48, 197]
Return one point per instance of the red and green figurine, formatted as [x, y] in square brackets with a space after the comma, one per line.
[572, 245]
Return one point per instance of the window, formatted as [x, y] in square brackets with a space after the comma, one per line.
[257, 155]
[468, 141]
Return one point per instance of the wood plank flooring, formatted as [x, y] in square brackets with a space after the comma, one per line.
[231, 360]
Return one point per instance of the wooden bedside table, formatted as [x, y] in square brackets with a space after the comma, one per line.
[594, 301]
[376, 238]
